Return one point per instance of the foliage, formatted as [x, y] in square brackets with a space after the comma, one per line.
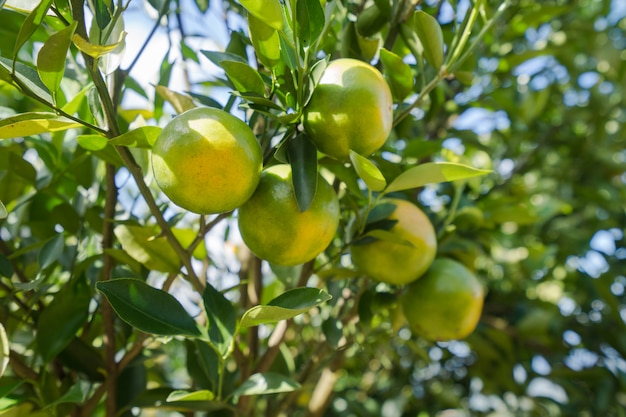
[113, 301]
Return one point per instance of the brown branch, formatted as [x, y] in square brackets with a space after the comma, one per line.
[20, 368]
[137, 174]
[108, 316]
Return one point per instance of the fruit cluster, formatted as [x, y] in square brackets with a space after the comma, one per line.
[208, 161]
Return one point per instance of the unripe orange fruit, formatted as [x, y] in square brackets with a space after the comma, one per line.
[350, 109]
[274, 228]
[394, 261]
[445, 304]
[207, 161]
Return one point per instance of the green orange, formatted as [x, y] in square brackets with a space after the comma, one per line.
[350, 109]
[207, 161]
[445, 304]
[404, 258]
[274, 228]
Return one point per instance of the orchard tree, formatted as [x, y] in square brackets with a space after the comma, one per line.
[305, 208]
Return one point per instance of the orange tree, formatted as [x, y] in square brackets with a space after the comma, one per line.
[503, 123]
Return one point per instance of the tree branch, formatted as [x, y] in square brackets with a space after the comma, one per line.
[108, 316]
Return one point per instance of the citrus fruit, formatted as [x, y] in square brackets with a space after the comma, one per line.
[350, 109]
[469, 219]
[274, 228]
[406, 254]
[207, 161]
[445, 304]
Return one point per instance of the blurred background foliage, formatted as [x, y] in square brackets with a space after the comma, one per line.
[545, 232]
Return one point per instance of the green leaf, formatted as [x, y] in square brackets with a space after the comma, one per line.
[58, 323]
[380, 212]
[288, 54]
[26, 77]
[285, 306]
[142, 137]
[3, 211]
[398, 74]
[92, 142]
[433, 173]
[380, 234]
[82, 357]
[103, 10]
[258, 100]
[4, 350]
[268, 11]
[30, 25]
[202, 363]
[181, 395]
[52, 56]
[180, 102]
[315, 74]
[51, 251]
[430, 36]
[145, 245]
[368, 172]
[35, 123]
[266, 383]
[309, 21]
[302, 156]
[157, 398]
[265, 40]
[217, 57]
[222, 318]
[245, 79]
[148, 309]
[372, 19]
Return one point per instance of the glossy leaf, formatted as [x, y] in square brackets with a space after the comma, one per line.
[181, 395]
[30, 25]
[266, 383]
[82, 357]
[51, 251]
[217, 57]
[142, 137]
[202, 363]
[380, 212]
[52, 56]
[157, 399]
[3, 211]
[146, 246]
[180, 102]
[368, 172]
[431, 37]
[222, 319]
[25, 77]
[268, 11]
[92, 142]
[398, 74]
[302, 155]
[371, 20]
[58, 323]
[380, 234]
[103, 10]
[4, 350]
[265, 40]
[285, 306]
[433, 173]
[244, 78]
[309, 21]
[148, 309]
[28, 124]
